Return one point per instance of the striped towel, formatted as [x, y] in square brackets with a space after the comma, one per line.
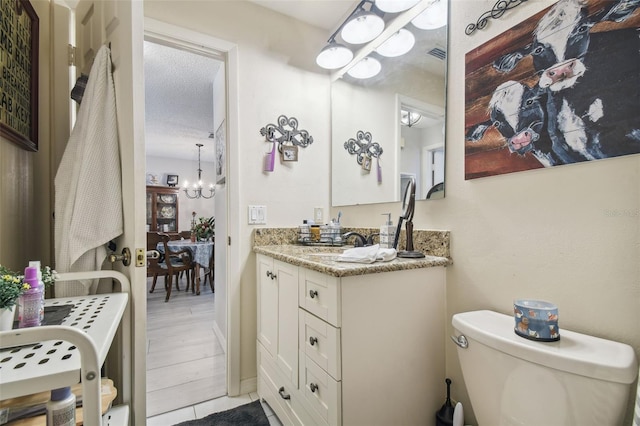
[88, 184]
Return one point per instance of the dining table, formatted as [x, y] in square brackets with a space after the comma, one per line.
[201, 252]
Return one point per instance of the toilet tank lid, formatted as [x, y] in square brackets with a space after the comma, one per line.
[574, 353]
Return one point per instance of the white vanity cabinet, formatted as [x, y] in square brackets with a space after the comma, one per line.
[277, 333]
[370, 348]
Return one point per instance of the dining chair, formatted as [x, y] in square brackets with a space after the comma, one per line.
[154, 268]
[181, 236]
[175, 263]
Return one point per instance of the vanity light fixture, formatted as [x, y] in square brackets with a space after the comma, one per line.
[398, 44]
[196, 191]
[334, 56]
[366, 68]
[433, 18]
[362, 27]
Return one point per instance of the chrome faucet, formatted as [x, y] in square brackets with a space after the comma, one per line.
[360, 239]
[371, 237]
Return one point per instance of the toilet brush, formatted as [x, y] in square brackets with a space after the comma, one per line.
[444, 416]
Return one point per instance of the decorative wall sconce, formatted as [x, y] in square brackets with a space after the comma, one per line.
[286, 131]
[496, 12]
[364, 149]
[287, 137]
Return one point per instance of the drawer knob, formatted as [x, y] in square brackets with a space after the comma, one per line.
[313, 293]
[313, 387]
[313, 340]
[269, 274]
[283, 395]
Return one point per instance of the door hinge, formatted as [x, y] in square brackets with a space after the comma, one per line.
[71, 54]
[229, 240]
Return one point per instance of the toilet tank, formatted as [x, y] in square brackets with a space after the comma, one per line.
[578, 380]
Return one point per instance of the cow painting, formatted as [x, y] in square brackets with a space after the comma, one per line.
[569, 93]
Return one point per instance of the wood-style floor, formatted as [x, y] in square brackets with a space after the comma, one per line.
[185, 361]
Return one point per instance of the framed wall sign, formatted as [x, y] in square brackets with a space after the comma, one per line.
[172, 180]
[221, 148]
[19, 65]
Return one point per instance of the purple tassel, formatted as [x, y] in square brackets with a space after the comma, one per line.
[269, 159]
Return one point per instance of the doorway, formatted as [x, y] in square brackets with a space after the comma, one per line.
[185, 111]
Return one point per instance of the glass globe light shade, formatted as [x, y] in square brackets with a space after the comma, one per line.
[393, 6]
[366, 68]
[334, 56]
[362, 27]
[398, 44]
[434, 17]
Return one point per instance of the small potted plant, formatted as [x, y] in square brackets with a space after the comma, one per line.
[205, 228]
[11, 287]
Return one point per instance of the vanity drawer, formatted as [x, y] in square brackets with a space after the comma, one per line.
[320, 294]
[320, 341]
[322, 393]
[274, 389]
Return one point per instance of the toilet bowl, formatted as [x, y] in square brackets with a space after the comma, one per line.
[578, 380]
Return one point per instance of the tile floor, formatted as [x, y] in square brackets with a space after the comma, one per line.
[209, 407]
[185, 361]
[186, 367]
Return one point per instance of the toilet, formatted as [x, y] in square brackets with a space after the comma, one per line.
[578, 380]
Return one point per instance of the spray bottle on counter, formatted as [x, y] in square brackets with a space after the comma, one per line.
[30, 301]
[36, 264]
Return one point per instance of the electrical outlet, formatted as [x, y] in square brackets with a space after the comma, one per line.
[318, 215]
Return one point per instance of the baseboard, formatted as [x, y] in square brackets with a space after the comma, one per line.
[220, 335]
[248, 385]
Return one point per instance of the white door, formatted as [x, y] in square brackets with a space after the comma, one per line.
[120, 23]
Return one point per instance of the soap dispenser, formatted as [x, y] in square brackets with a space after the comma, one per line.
[387, 232]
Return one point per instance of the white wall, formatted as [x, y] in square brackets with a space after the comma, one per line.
[568, 234]
[188, 170]
[275, 56]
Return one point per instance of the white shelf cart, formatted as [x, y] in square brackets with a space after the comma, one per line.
[38, 359]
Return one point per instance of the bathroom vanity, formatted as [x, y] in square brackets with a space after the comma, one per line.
[346, 343]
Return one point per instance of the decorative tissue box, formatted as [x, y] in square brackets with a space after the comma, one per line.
[536, 320]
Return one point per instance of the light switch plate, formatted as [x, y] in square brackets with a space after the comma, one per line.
[257, 215]
[318, 215]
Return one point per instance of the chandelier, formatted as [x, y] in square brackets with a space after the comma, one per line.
[409, 118]
[196, 190]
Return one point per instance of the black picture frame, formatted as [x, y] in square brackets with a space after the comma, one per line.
[172, 180]
[19, 112]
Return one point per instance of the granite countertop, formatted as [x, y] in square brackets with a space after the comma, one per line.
[323, 259]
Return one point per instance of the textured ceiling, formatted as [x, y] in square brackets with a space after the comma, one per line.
[178, 102]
